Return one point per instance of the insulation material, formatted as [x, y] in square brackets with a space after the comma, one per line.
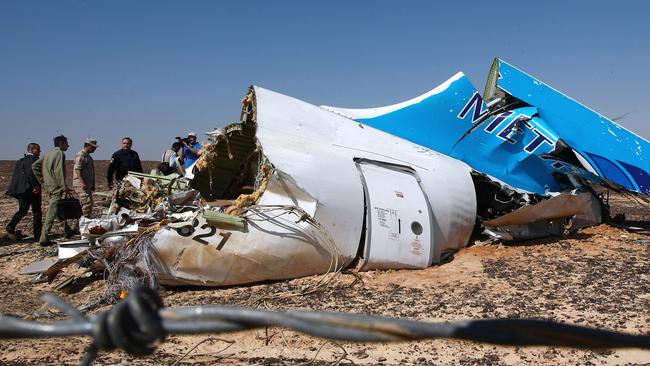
[92, 228]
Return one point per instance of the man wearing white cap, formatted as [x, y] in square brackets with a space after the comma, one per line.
[84, 176]
[191, 150]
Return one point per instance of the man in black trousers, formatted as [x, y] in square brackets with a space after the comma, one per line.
[26, 188]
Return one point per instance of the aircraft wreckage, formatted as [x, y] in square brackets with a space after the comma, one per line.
[296, 189]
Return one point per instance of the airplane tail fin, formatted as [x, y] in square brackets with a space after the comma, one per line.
[436, 119]
[601, 145]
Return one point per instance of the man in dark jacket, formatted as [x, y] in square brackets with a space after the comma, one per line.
[123, 161]
[26, 188]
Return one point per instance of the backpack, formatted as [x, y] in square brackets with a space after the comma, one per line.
[164, 168]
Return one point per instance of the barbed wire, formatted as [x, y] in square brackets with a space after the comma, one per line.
[141, 322]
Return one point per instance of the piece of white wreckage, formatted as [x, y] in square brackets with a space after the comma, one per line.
[307, 191]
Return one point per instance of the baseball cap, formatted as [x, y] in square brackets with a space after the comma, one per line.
[191, 134]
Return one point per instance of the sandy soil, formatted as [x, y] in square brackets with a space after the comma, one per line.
[598, 277]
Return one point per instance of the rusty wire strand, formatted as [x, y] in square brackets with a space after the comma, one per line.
[148, 323]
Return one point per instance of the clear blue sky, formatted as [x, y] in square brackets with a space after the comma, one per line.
[157, 69]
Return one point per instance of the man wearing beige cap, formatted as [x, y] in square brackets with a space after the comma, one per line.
[84, 176]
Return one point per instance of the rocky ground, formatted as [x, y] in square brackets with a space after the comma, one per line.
[598, 277]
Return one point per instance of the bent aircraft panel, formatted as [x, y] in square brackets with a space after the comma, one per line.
[510, 134]
[318, 148]
[605, 147]
[435, 119]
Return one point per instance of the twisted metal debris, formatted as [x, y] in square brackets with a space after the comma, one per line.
[139, 323]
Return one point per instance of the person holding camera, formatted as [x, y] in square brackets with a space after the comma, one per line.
[191, 150]
[49, 170]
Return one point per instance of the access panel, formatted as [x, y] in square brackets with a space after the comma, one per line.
[398, 219]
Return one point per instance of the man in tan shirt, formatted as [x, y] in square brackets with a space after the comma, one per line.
[84, 176]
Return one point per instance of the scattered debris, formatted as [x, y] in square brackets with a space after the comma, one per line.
[294, 189]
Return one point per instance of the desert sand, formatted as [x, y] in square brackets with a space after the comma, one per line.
[598, 277]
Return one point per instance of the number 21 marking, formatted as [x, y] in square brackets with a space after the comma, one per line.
[188, 231]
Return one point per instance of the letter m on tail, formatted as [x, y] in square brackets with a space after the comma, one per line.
[475, 105]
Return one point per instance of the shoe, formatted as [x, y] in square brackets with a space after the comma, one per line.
[20, 236]
[11, 233]
[46, 243]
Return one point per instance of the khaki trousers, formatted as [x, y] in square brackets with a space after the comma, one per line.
[52, 208]
[86, 200]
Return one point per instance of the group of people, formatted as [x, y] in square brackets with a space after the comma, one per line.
[35, 176]
[180, 156]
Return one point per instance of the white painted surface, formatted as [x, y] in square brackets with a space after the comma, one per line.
[317, 148]
[398, 232]
[313, 152]
[274, 246]
[362, 113]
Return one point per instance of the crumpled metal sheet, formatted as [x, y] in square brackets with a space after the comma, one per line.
[546, 217]
[276, 244]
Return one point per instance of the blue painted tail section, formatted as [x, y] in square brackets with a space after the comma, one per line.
[509, 146]
[436, 119]
[608, 149]
[514, 136]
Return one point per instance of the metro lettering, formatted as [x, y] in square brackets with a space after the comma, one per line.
[497, 121]
[513, 127]
[540, 139]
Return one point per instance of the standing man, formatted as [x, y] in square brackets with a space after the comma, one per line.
[27, 189]
[191, 150]
[123, 161]
[50, 172]
[83, 179]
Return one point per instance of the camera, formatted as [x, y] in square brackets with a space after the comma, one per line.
[184, 140]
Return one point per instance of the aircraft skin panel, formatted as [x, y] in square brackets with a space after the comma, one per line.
[611, 170]
[508, 147]
[368, 113]
[314, 155]
[510, 144]
[639, 175]
[273, 247]
[430, 120]
[589, 133]
[498, 147]
[317, 148]
[398, 231]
